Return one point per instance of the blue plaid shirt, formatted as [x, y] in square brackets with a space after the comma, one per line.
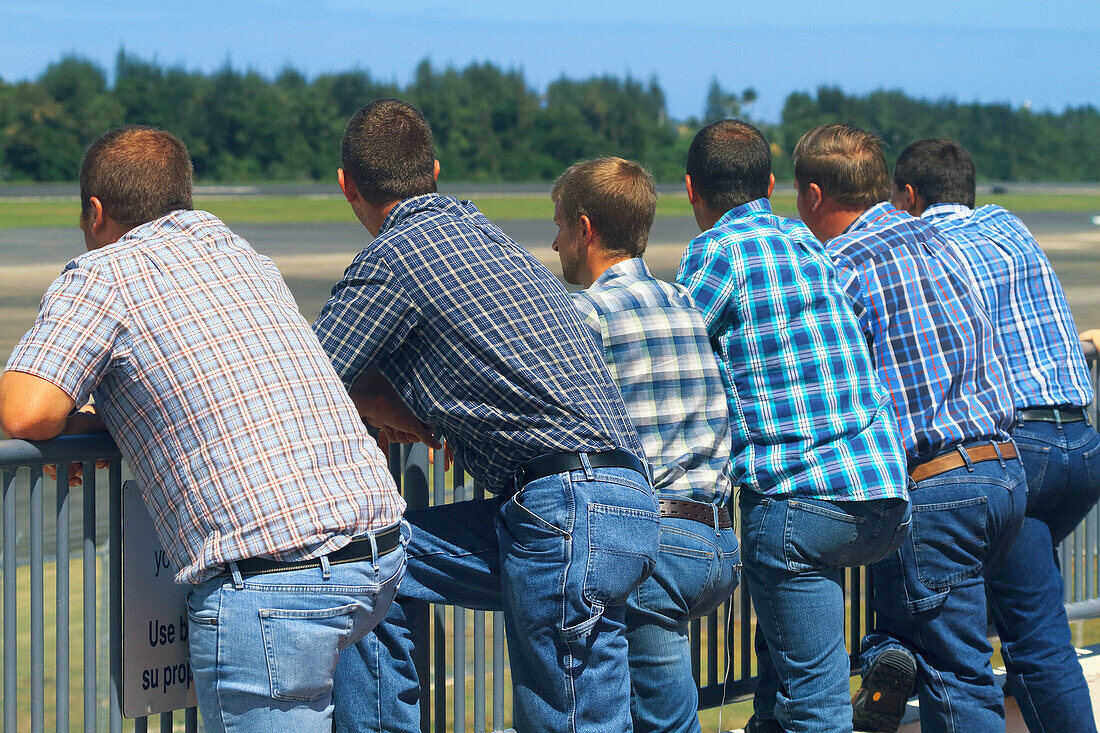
[477, 337]
[657, 349]
[809, 417]
[242, 439]
[928, 331]
[1024, 300]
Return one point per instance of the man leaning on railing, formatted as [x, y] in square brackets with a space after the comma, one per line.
[263, 484]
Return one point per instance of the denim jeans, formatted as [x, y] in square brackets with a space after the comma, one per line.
[1062, 463]
[560, 558]
[264, 648]
[698, 567]
[795, 551]
[929, 596]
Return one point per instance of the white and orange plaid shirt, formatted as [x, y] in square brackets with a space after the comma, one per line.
[240, 434]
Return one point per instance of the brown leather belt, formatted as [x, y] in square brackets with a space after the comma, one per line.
[700, 512]
[952, 460]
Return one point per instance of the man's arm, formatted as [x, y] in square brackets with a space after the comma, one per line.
[379, 404]
[32, 408]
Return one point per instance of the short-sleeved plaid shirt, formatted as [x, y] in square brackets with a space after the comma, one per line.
[239, 433]
[658, 352]
[1025, 302]
[929, 333]
[477, 337]
[809, 417]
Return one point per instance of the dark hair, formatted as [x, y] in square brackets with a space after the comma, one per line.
[730, 164]
[617, 196]
[941, 171]
[846, 162]
[388, 152]
[138, 173]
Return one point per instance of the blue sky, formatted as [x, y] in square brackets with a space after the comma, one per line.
[1046, 54]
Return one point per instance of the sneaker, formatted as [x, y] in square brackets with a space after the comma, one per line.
[762, 725]
[879, 705]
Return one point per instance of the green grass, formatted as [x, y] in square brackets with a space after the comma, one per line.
[333, 209]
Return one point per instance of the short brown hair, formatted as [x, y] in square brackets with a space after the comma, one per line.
[617, 196]
[138, 173]
[730, 164]
[388, 152]
[846, 162]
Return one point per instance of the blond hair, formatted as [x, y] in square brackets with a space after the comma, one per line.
[845, 162]
[618, 196]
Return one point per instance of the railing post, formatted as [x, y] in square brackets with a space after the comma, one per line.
[11, 607]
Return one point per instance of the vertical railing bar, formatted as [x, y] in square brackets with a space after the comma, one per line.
[166, 722]
[11, 607]
[38, 627]
[856, 599]
[695, 641]
[191, 720]
[746, 633]
[414, 486]
[1078, 566]
[439, 613]
[141, 725]
[88, 585]
[114, 584]
[1067, 570]
[459, 636]
[479, 635]
[61, 600]
[498, 670]
[712, 647]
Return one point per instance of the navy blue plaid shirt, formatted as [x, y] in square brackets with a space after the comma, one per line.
[477, 337]
[929, 334]
[656, 346]
[808, 415]
[1025, 301]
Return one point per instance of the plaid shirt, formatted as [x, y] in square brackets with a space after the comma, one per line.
[809, 417]
[239, 433]
[927, 328]
[657, 349]
[477, 337]
[1024, 300]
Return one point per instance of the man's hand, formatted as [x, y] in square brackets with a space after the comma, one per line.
[1091, 336]
[379, 405]
[84, 420]
[76, 472]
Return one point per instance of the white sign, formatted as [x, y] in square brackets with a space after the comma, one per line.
[156, 667]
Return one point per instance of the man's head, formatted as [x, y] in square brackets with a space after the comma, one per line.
[729, 164]
[933, 171]
[604, 210]
[387, 153]
[840, 172]
[131, 176]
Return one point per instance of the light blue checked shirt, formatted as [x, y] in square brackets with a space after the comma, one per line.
[239, 433]
[657, 349]
[808, 415]
[1025, 301]
[477, 337]
[928, 331]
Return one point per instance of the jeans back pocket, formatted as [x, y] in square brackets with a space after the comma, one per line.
[302, 648]
[622, 552]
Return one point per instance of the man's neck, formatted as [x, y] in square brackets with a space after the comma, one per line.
[599, 263]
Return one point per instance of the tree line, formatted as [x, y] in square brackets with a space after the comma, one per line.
[489, 123]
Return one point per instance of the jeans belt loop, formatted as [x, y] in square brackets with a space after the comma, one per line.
[374, 549]
[1058, 418]
[966, 458]
[997, 448]
[714, 511]
[235, 572]
[326, 569]
[589, 474]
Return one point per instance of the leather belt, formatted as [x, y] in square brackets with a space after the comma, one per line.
[553, 463]
[1052, 414]
[697, 510]
[952, 460]
[386, 541]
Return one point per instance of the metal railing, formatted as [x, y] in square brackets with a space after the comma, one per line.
[461, 654]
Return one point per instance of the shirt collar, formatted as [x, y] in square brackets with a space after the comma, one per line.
[407, 207]
[872, 214]
[633, 267]
[947, 211]
[757, 206]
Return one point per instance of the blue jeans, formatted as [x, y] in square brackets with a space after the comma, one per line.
[698, 567]
[1062, 463]
[264, 648]
[795, 552]
[559, 558]
[929, 596]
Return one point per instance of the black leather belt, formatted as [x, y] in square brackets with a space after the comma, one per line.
[386, 541]
[700, 512]
[1052, 414]
[553, 463]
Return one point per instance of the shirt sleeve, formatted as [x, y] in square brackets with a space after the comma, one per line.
[73, 340]
[590, 317]
[706, 273]
[368, 317]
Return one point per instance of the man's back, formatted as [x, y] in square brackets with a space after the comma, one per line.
[235, 424]
[1025, 301]
[809, 417]
[657, 350]
[930, 337]
[478, 338]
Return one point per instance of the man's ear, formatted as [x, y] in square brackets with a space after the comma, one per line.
[913, 199]
[588, 232]
[351, 193]
[771, 184]
[814, 197]
[435, 170]
[98, 217]
[693, 197]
